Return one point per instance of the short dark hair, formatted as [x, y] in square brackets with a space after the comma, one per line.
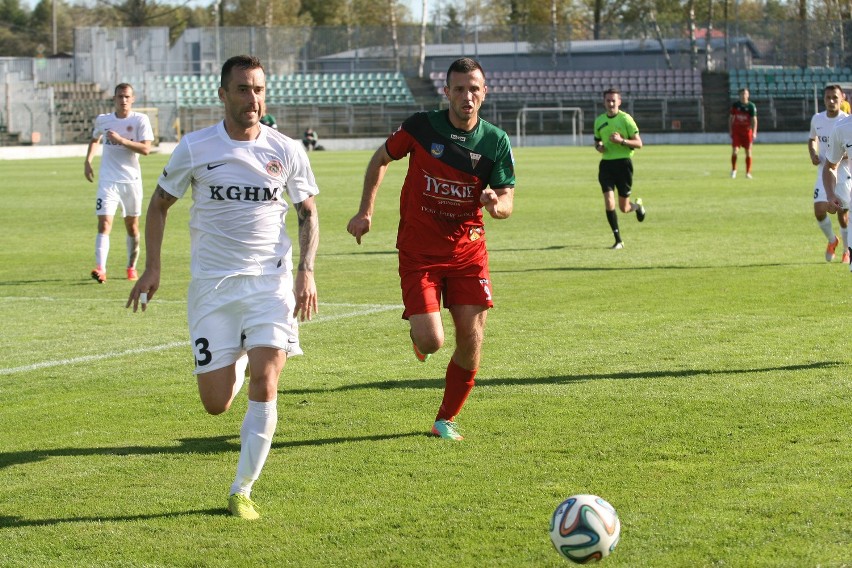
[832, 87]
[122, 86]
[612, 91]
[245, 62]
[464, 65]
[743, 90]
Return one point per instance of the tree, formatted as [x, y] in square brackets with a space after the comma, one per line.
[41, 25]
[327, 12]
[12, 15]
[265, 13]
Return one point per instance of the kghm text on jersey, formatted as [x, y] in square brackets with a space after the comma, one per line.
[245, 193]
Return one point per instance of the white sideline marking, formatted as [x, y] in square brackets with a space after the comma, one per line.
[87, 358]
[75, 300]
[366, 309]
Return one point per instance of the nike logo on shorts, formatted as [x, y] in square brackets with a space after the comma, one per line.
[214, 166]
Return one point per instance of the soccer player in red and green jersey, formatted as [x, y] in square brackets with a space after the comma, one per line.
[742, 125]
[458, 165]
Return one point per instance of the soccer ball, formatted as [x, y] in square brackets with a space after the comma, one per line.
[585, 528]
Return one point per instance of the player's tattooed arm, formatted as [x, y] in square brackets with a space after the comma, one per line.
[163, 194]
[308, 217]
[305, 290]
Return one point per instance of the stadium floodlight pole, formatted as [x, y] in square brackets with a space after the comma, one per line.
[53, 16]
[422, 61]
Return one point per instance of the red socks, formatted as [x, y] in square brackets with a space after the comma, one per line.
[459, 383]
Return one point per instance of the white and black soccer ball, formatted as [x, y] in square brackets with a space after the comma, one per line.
[585, 528]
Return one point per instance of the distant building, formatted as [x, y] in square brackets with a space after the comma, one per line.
[575, 55]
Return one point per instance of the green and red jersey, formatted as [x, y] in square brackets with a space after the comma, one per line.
[742, 113]
[440, 211]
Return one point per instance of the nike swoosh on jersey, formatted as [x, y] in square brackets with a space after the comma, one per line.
[214, 166]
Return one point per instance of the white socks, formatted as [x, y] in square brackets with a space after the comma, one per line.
[825, 227]
[132, 251]
[256, 441]
[101, 250]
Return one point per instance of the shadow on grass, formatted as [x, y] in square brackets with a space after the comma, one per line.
[18, 522]
[216, 444]
[212, 445]
[563, 379]
[41, 281]
[664, 267]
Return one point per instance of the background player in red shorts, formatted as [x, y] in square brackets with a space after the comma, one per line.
[742, 124]
[458, 164]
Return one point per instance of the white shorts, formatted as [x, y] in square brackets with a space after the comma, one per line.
[232, 315]
[111, 194]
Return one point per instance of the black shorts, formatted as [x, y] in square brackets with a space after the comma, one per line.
[616, 174]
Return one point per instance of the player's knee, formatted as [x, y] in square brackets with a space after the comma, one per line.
[216, 407]
[428, 343]
[215, 403]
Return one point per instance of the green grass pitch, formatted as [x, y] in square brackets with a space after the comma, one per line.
[698, 380]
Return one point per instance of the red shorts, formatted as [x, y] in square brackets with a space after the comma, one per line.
[742, 139]
[426, 280]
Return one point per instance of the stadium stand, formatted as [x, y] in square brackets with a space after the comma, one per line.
[77, 104]
[786, 82]
[298, 89]
[550, 84]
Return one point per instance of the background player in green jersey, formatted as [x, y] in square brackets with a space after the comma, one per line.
[616, 138]
[742, 125]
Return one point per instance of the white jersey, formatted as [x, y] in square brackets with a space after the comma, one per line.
[836, 152]
[119, 163]
[839, 141]
[821, 127]
[238, 207]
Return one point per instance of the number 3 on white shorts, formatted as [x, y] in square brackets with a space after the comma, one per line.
[203, 357]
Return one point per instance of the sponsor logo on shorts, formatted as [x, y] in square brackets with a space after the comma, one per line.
[214, 166]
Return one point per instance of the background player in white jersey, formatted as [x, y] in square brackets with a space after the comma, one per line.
[126, 134]
[837, 189]
[822, 124]
[241, 297]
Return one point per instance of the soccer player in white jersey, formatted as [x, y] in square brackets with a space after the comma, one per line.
[836, 181]
[822, 124]
[126, 134]
[241, 297]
